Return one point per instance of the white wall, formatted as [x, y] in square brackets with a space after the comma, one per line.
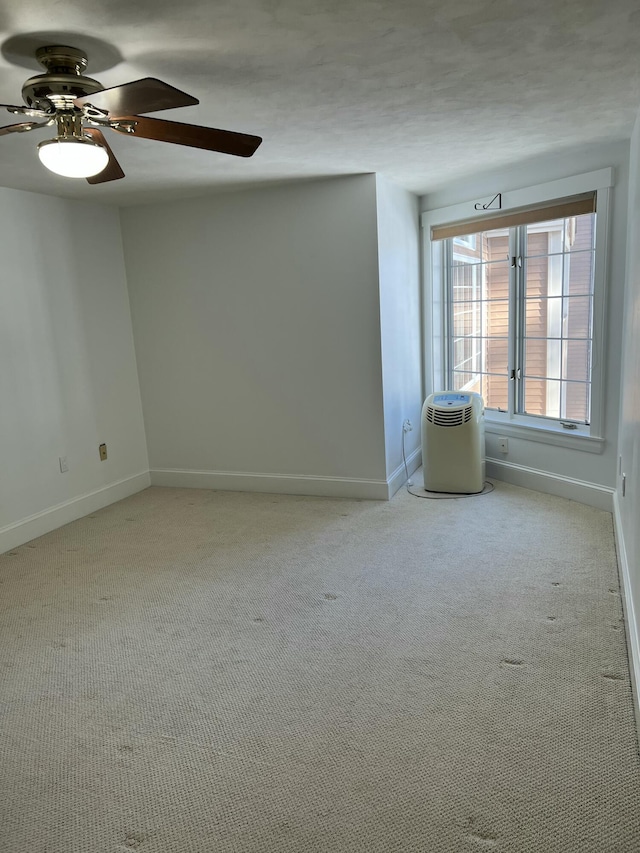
[539, 465]
[257, 328]
[400, 311]
[627, 508]
[68, 380]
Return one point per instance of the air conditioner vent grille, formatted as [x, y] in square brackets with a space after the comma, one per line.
[449, 417]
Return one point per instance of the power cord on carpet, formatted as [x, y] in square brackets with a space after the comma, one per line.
[450, 496]
[488, 486]
[408, 481]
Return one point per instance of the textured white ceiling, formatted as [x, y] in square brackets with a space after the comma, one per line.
[423, 92]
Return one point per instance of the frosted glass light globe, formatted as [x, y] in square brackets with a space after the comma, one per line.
[73, 158]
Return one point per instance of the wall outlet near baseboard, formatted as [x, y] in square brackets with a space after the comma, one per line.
[503, 444]
[407, 426]
[103, 452]
[64, 465]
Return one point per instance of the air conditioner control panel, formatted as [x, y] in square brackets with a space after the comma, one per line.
[451, 399]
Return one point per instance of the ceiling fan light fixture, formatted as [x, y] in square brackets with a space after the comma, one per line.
[75, 157]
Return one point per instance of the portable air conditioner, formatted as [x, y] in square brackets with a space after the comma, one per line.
[453, 456]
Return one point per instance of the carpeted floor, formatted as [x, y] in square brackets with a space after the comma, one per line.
[205, 672]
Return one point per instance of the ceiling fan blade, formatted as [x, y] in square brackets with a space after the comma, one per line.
[112, 171]
[22, 127]
[209, 138]
[24, 111]
[141, 96]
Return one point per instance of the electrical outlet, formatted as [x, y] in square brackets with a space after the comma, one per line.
[103, 452]
[503, 445]
[407, 426]
[64, 465]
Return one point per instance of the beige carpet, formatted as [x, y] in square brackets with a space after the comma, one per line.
[205, 672]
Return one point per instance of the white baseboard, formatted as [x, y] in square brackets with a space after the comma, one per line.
[53, 517]
[631, 623]
[591, 494]
[282, 484]
[399, 476]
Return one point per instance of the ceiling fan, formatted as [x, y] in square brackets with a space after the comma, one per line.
[79, 107]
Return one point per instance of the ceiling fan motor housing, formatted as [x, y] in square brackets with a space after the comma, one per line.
[63, 82]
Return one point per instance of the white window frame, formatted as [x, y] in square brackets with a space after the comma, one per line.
[585, 437]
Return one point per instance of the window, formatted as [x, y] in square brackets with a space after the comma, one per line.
[518, 313]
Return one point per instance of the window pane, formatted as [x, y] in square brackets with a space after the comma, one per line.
[497, 318]
[566, 317]
[479, 281]
[469, 246]
[578, 273]
[580, 233]
[556, 399]
[496, 356]
[537, 311]
[543, 358]
[496, 278]
[573, 234]
[545, 238]
[484, 318]
[485, 247]
[467, 282]
[576, 361]
[467, 354]
[576, 317]
[467, 382]
[485, 355]
[494, 389]
[536, 400]
[467, 318]
[577, 404]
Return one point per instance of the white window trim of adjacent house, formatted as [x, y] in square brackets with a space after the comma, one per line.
[584, 437]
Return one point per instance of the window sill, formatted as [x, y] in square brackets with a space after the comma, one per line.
[546, 435]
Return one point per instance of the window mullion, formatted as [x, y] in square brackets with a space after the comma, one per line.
[521, 314]
[514, 320]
